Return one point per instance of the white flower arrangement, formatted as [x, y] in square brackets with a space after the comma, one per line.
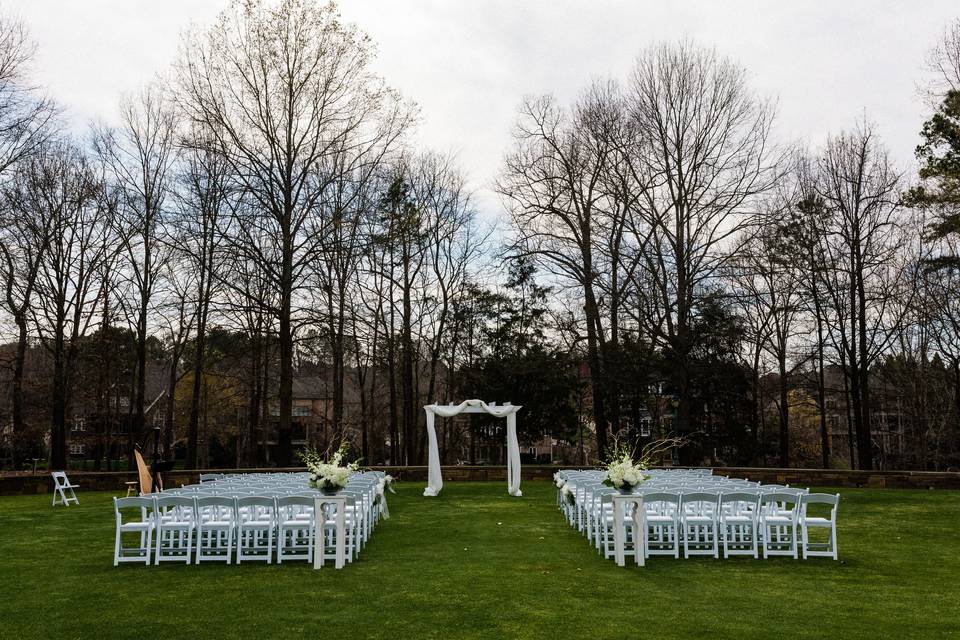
[328, 475]
[557, 480]
[623, 472]
[568, 495]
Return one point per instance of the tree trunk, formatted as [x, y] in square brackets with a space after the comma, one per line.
[596, 371]
[284, 428]
[58, 427]
[784, 408]
[864, 441]
[16, 384]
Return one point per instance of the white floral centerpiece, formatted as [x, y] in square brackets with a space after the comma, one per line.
[623, 472]
[330, 475]
[568, 495]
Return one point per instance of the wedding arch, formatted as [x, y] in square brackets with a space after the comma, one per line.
[508, 411]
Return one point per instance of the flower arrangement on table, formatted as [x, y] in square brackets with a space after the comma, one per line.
[330, 475]
[625, 470]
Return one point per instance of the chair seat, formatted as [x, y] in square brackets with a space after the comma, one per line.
[136, 526]
[698, 519]
[817, 522]
[296, 522]
[658, 519]
[736, 519]
[778, 520]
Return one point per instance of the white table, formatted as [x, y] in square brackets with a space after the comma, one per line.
[620, 503]
[340, 502]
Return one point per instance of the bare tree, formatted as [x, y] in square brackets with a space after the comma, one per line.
[67, 287]
[704, 154]
[943, 60]
[201, 197]
[283, 90]
[555, 185]
[859, 183]
[25, 227]
[26, 122]
[139, 156]
[26, 116]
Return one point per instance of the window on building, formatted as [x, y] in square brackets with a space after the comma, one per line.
[301, 411]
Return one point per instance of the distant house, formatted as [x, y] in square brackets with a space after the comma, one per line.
[311, 415]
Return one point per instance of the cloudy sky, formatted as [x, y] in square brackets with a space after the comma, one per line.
[469, 62]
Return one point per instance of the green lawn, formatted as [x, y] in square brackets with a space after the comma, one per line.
[476, 563]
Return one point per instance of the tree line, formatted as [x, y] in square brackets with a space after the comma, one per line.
[262, 213]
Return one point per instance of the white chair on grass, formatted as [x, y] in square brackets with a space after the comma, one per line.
[256, 519]
[662, 530]
[62, 485]
[216, 522]
[699, 523]
[821, 549]
[295, 528]
[143, 528]
[778, 523]
[740, 523]
[175, 523]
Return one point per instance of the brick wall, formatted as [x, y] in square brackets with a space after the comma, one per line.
[114, 481]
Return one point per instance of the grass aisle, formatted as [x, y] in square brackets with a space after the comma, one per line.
[476, 563]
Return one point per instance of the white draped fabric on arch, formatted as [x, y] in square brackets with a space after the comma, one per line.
[508, 411]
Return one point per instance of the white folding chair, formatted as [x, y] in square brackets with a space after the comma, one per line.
[216, 522]
[699, 524]
[256, 519]
[175, 524]
[143, 528]
[662, 530]
[778, 523]
[295, 528]
[739, 523]
[61, 485]
[822, 549]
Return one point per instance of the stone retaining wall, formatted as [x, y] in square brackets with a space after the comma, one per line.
[18, 484]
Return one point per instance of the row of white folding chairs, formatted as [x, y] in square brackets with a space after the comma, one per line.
[742, 522]
[365, 488]
[195, 528]
[579, 514]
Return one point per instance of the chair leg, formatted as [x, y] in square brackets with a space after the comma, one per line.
[146, 548]
[116, 548]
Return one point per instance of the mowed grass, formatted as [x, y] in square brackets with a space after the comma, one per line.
[476, 563]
